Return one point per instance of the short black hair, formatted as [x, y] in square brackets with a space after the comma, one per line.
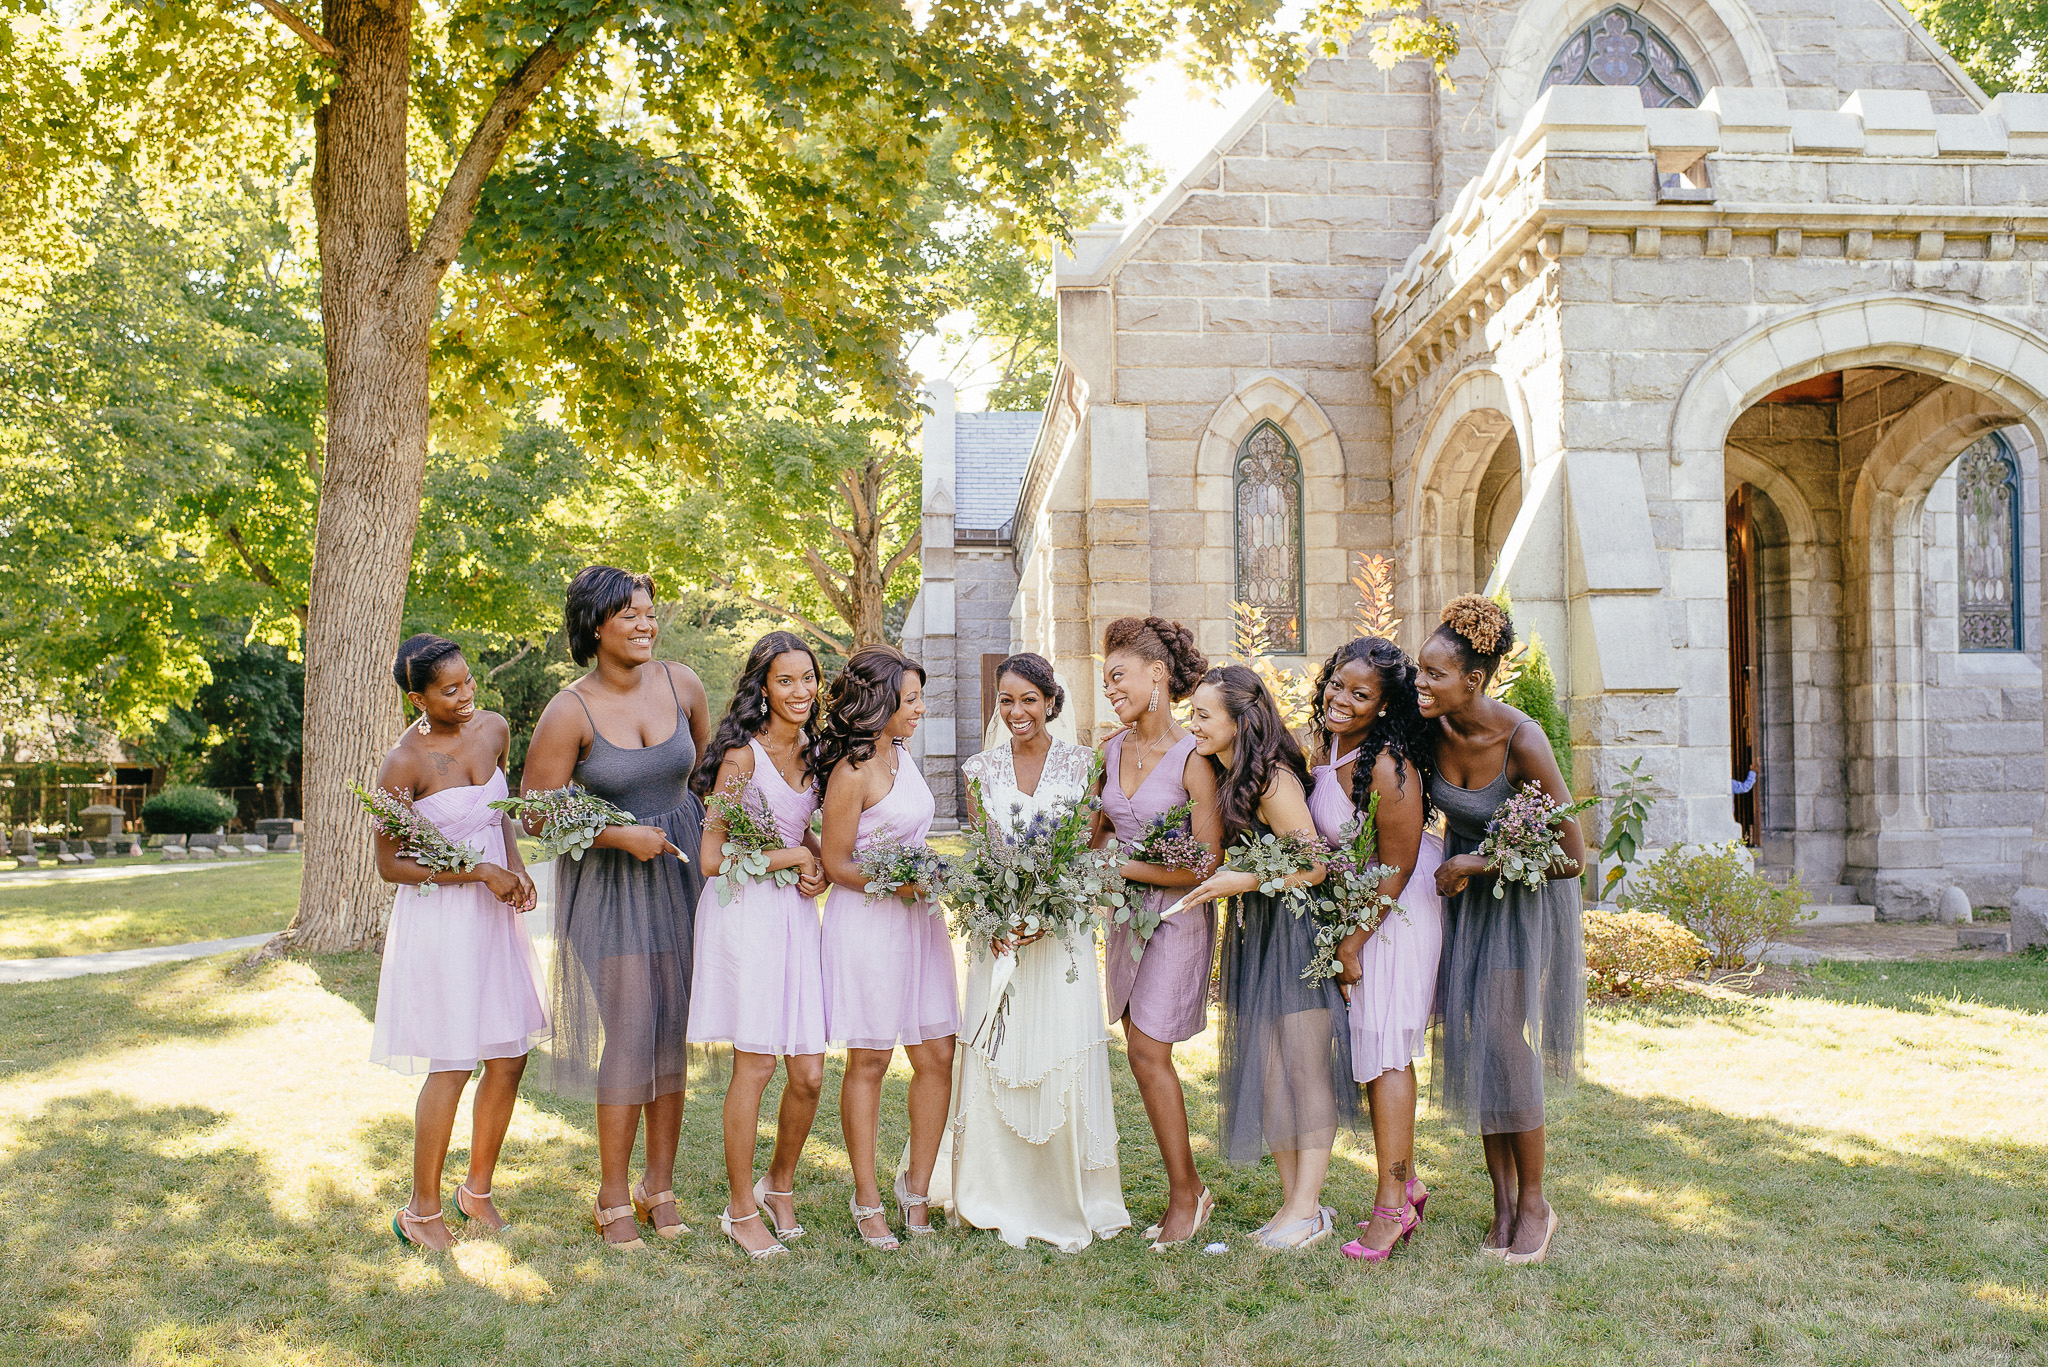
[597, 595]
[419, 660]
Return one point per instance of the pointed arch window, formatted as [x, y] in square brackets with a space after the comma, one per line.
[1620, 47]
[1992, 590]
[1268, 498]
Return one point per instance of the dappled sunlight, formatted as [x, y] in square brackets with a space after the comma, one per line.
[487, 1264]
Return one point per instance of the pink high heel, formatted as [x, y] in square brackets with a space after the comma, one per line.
[1414, 1200]
[1405, 1213]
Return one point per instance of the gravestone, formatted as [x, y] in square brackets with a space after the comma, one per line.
[284, 842]
[205, 842]
[200, 852]
[1955, 907]
[253, 844]
[64, 854]
[23, 842]
[85, 854]
[134, 847]
[273, 826]
[173, 854]
[101, 820]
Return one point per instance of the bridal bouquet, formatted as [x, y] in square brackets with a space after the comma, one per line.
[1349, 898]
[1521, 841]
[751, 835]
[417, 838]
[1273, 858]
[888, 864]
[570, 817]
[1011, 886]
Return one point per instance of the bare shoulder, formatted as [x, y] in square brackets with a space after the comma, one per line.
[1283, 784]
[738, 760]
[687, 685]
[400, 770]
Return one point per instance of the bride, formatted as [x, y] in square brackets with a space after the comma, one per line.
[1033, 1135]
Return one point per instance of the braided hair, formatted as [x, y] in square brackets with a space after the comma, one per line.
[419, 660]
[1160, 640]
[746, 716]
[1401, 731]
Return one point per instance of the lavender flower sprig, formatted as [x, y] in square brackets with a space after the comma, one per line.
[571, 817]
[890, 864]
[1170, 841]
[751, 836]
[417, 838]
[1521, 841]
[1350, 898]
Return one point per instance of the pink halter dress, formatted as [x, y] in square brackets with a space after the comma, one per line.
[1390, 1005]
[889, 972]
[460, 981]
[759, 980]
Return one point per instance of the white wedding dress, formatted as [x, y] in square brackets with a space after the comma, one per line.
[1033, 1137]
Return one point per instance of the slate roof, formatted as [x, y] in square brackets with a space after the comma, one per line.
[990, 451]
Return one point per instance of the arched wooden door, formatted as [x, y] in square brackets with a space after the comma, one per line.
[1744, 658]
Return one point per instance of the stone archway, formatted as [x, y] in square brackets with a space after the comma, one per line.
[1470, 459]
[1722, 40]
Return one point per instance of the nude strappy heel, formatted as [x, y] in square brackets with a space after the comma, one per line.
[1205, 1206]
[644, 1207]
[463, 1213]
[761, 1195]
[405, 1220]
[884, 1244]
[905, 1199]
[601, 1216]
[726, 1223]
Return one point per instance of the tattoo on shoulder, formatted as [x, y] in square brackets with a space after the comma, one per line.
[442, 762]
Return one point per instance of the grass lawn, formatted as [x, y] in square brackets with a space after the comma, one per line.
[87, 916]
[198, 1166]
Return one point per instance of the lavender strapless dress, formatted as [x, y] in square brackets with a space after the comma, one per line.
[1167, 990]
[759, 978]
[889, 975]
[1390, 1005]
[460, 981]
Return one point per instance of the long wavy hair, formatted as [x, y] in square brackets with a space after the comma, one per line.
[746, 716]
[1264, 746]
[859, 703]
[1402, 732]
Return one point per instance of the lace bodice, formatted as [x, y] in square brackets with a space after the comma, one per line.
[1064, 779]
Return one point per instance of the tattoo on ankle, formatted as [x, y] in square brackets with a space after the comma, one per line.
[1400, 1169]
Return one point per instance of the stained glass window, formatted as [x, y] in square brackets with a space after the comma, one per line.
[1988, 545]
[1269, 534]
[1620, 47]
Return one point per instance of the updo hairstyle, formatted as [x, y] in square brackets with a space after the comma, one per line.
[419, 659]
[597, 595]
[1480, 630]
[1159, 640]
[1036, 670]
[859, 703]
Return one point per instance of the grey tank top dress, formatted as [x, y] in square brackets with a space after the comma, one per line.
[1511, 982]
[623, 930]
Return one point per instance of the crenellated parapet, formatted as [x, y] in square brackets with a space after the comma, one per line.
[1883, 178]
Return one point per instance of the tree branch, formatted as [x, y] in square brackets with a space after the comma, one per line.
[784, 610]
[306, 32]
[258, 571]
[838, 595]
[443, 238]
[904, 552]
[496, 670]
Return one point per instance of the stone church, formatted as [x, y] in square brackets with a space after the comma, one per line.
[1714, 330]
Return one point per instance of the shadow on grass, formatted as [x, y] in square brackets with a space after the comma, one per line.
[2016, 983]
[44, 1025]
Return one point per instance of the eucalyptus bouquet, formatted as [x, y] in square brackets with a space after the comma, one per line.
[1042, 878]
[570, 817]
[1521, 841]
[751, 835]
[417, 838]
[1275, 857]
[889, 864]
[1170, 843]
[1349, 898]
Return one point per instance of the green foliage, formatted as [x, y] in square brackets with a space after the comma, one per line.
[186, 809]
[1630, 798]
[1711, 891]
[1534, 692]
[2003, 44]
[1638, 953]
[243, 727]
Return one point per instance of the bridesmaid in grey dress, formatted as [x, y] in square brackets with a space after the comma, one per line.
[1162, 998]
[629, 731]
[1511, 991]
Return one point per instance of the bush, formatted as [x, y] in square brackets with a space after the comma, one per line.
[1638, 953]
[187, 809]
[1710, 890]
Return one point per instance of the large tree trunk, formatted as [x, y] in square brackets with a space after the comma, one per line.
[375, 322]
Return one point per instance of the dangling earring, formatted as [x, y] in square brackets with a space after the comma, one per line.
[425, 727]
[1153, 706]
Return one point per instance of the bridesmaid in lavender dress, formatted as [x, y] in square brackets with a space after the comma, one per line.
[889, 977]
[759, 981]
[1372, 739]
[461, 984]
[1162, 994]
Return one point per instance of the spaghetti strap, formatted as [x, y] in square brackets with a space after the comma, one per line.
[669, 673]
[1509, 756]
[586, 711]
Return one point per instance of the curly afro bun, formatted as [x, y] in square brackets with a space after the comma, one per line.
[1162, 641]
[1480, 629]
